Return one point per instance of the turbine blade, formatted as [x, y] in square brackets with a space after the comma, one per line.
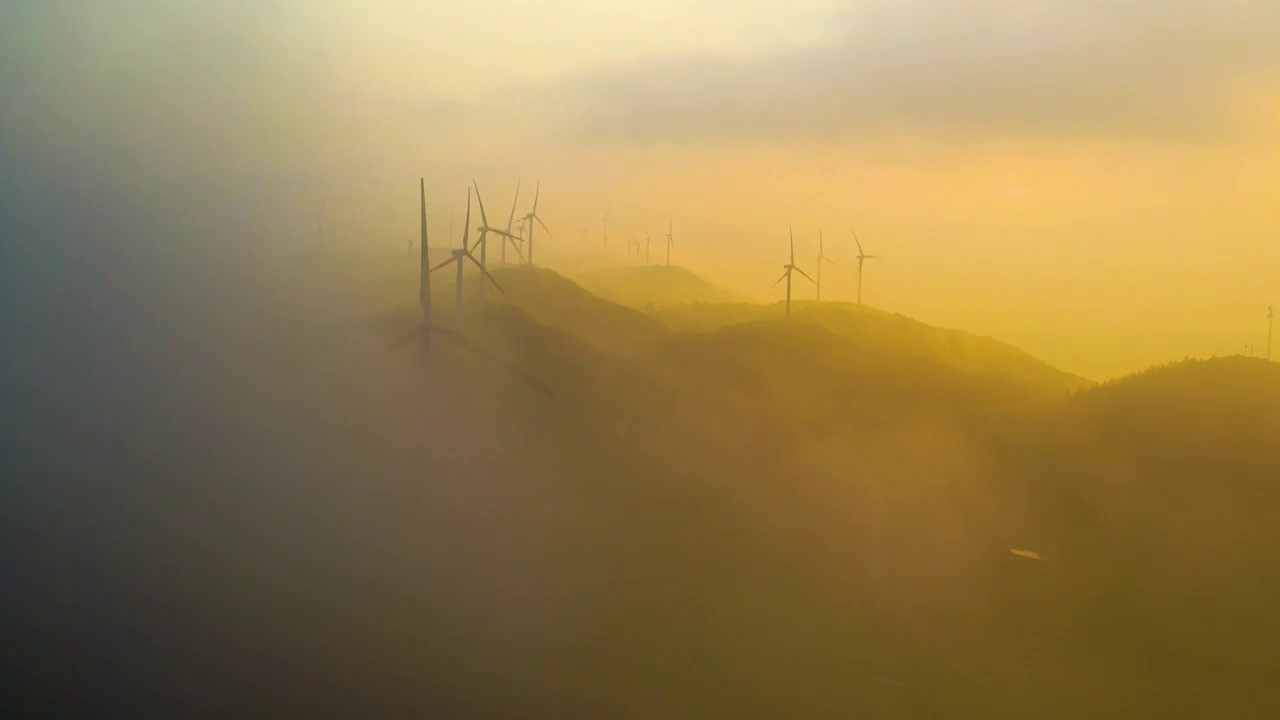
[516, 247]
[466, 224]
[792, 235]
[512, 217]
[797, 269]
[443, 264]
[544, 225]
[855, 239]
[536, 193]
[487, 274]
[784, 277]
[504, 234]
[483, 219]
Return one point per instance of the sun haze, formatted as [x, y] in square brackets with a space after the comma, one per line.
[640, 358]
[1096, 182]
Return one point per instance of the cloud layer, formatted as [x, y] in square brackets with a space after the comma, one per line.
[1166, 70]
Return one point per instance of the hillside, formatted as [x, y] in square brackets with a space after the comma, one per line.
[894, 339]
[655, 286]
[559, 302]
[820, 379]
[1156, 498]
[756, 520]
[870, 484]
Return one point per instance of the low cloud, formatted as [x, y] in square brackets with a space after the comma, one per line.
[1166, 70]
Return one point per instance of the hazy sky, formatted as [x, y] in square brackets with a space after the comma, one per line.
[1097, 182]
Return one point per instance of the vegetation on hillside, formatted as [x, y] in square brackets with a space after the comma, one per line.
[821, 514]
[655, 286]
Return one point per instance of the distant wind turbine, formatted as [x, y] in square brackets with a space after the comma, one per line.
[424, 265]
[1271, 324]
[647, 242]
[461, 254]
[606, 227]
[510, 220]
[670, 241]
[790, 266]
[633, 249]
[529, 220]
[862, 257]
[822, 258]
[483, 241]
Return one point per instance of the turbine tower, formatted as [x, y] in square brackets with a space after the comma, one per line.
[633, 249]
[427, 328]
[461, 254]
[1271, 323]
[647, 242]
[788, 268]
[482, 242]
[862, 258]
[529, 220]
[424, 265]
[822, 258]
[670, 241]
[510, 221]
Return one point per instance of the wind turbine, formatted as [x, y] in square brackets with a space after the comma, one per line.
[429, 328]
[822, 258]
[510, 220]
[483, 241]
[632, 250]
[1271, 324]
[786, 272]
[424, 265]
[862, 257]
[459, 255]
[670, 241]
[533, 215]
[647, 242]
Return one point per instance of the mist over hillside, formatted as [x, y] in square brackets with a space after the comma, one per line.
[656, 286]
[709, 510]
[238, 482]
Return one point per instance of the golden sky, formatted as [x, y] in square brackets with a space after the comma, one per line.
[1097, 182]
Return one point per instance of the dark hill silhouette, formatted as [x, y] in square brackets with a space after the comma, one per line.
[847, 486]
[891, 340]
[1155, 496]
[561, 303]
[822, 378]
[655, 286]
[756, 520]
